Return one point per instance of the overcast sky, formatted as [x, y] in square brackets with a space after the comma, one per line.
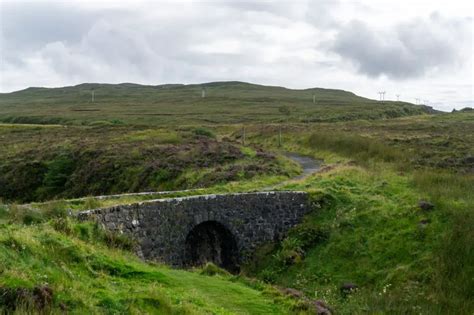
[418, 49]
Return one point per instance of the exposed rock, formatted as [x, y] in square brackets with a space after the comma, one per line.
[322, 308]
[319, 306]
[292, 292]
[425, 205]
[348, 287]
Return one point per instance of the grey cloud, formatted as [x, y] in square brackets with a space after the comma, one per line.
[28, 27]
[406, 51]
[61, 42]
[32, 25]
[80, 44]
[323, 13]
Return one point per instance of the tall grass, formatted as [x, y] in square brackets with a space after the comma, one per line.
[453, 195]
[442, 184]
[361, 149]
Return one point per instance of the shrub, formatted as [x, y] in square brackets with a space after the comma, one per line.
[58, 172]
[204, 132]
[116, 240]
[63, 225]
[93, 232]
[269, 275]
[308, 236]
[117, 122]
[291, 251]
[55, 209]
[24, 215]
[3, 211]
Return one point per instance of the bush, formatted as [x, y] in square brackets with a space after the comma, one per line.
[269, 275]
[58, 173]
[291, 252]
[116, 240]
[204, 132]
[55, 209]
[3, 212]
[28, 215]
[63, 225]
[309, 236]
[24, 215]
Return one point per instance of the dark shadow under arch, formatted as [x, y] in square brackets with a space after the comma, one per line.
[211, 241]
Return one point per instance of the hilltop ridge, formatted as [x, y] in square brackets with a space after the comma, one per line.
[207, 103]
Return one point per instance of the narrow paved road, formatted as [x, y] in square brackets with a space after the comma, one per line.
[308, 164]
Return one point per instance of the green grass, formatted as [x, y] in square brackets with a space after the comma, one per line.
[405, 260]
[368, 230]
[372, 237]
[85, 276]
[225, 102]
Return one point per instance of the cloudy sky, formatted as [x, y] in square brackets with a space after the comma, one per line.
[418, 49]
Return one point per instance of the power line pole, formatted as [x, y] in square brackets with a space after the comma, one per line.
[382, 95]
[203, 93]
[279, 136]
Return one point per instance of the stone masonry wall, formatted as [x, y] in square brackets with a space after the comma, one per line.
[161, 226]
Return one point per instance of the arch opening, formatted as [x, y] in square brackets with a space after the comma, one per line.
[211, 241]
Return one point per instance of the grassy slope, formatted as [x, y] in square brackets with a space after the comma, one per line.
[405, 260]
[225, 102]
[87, 277]
[370, 224]
[375, 240]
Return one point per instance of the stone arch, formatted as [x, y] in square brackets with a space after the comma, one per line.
[211, 241]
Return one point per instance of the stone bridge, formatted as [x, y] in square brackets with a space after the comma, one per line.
[187, 231]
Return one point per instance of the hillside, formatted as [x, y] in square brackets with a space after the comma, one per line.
[64, 267]
[41, 162]
[409, 259]
[224, 102]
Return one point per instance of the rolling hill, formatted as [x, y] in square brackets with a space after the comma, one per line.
[170, 104]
